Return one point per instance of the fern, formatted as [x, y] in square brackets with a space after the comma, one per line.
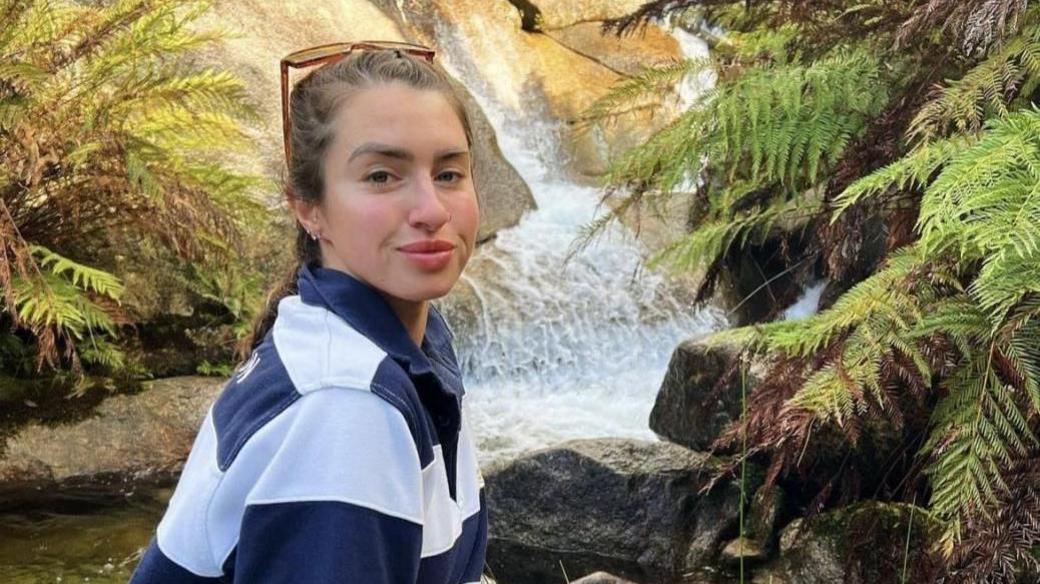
[111, 139]
[783, 124]
[647, 84]
[985, 205]
[912, 171]
[984, 92]
[81, 276]
[714, 238]
[979, 213]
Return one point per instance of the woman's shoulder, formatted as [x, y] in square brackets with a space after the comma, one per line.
[308, 352]
[318, 349]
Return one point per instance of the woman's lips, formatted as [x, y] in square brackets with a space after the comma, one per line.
[429, 255]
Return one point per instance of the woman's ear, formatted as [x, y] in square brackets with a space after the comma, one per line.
[306, 212]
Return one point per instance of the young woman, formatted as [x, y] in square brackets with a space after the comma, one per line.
[338, 451]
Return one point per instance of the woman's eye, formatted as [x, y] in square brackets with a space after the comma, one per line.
[457, 175]
[376, 174]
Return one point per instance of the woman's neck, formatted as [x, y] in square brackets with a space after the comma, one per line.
[413, 315]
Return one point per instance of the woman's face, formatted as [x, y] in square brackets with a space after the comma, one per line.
[400, 211]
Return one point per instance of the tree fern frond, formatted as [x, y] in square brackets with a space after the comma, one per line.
[645, 86]
[913, 170]
[81, 276]
[713, 238]
[984, 91]
[52, 301]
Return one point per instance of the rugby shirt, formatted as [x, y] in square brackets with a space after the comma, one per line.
[336, 453]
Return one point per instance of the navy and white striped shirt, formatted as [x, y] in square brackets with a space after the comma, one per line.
[336, 453]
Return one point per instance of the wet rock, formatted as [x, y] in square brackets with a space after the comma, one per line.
[130, 440]
[691, 408]
[629, 507]
[502, 194]
[860, 544]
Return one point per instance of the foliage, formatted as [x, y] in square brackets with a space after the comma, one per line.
[112, 143]
[828, 114]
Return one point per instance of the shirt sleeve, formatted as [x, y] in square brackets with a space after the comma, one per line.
[340, 499]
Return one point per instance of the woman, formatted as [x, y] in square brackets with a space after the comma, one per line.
[337, 452]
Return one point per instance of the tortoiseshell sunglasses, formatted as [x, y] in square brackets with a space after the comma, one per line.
[331, 53]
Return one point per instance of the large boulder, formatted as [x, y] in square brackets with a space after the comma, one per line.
[629, 507]
[130, 440]
[700, 394]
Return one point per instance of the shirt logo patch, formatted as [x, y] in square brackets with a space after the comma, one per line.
[247, 367]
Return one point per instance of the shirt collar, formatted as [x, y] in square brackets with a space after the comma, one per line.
[365, 309]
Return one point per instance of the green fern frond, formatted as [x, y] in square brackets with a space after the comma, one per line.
[977, 429]
[53, 301]
[106, 119]
[84, 277]
[784, 123]
[984, 92]
[966, 184]
[646, 85]
[714, 237]
[98, 351]
[885, 292]
[914, 170]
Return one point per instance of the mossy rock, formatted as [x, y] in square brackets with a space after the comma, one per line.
[869, 542]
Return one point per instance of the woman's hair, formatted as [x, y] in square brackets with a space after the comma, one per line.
[313, 104]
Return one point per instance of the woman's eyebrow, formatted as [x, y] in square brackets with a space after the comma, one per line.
[402, 154]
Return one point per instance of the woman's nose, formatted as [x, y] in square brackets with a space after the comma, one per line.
[428, 212]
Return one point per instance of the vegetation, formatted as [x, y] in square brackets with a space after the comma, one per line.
[827, 118]
[112, 149]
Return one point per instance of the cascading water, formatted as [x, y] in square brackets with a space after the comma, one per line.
[562, 350]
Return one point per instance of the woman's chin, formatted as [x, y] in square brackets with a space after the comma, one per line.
[428, 288]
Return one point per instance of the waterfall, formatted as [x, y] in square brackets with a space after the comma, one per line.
[562, 350]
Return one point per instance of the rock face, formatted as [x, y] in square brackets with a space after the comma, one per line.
[131, 439]
[690, 410]
[503, 195]
[625, 55]
[628, 507]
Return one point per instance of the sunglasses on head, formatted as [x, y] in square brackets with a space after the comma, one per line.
[325, 54]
